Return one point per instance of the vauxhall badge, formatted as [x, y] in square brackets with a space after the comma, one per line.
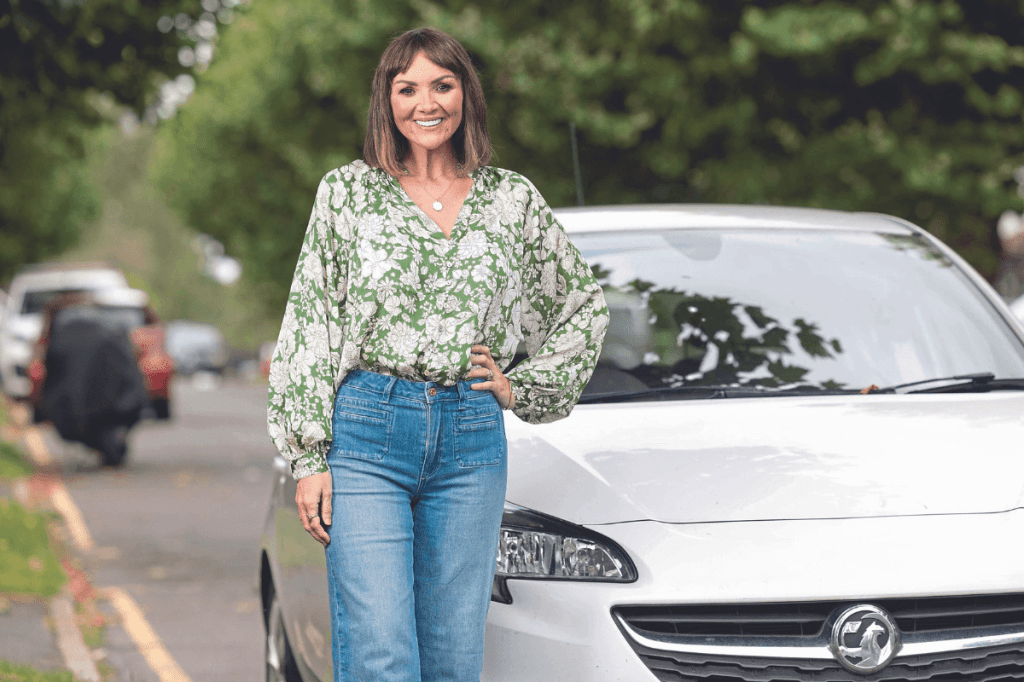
[864, 639]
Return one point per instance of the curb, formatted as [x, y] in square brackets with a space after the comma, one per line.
[43, 487]
[77, 655]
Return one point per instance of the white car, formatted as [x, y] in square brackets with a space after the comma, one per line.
[1017, 307]
[196, 347]
[799, 459]
[31, 289]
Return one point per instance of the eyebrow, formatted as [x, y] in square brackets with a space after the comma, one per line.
[436, 80]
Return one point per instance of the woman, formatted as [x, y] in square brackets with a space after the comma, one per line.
[421, 270]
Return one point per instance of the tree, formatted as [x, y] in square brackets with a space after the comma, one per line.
[62, 63]
[908, 107]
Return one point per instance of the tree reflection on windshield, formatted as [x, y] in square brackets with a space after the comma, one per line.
[666, 337]
[908, 242]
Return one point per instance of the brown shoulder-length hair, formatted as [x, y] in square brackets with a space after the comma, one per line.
[385, 147]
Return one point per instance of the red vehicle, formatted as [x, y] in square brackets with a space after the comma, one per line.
[130, 309]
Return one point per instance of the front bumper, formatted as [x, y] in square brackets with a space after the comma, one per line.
[567, 630]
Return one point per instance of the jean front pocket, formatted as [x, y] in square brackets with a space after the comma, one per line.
[361, 428]
[480, 435]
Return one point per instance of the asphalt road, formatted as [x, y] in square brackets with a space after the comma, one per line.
[178, 528]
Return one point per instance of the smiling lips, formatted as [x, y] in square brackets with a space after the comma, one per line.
[429, 124]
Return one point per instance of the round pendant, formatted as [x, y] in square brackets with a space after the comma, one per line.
[437, 206]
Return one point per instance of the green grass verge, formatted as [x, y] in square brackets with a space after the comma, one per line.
[28, 564]
[20, 673]
[12, 463]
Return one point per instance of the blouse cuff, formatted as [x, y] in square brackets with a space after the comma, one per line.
[313, 462]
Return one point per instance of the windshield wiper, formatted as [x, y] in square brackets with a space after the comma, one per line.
[713, 391]
[981, 382]
[625, 396]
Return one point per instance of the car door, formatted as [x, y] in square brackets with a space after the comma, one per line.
[302, 584]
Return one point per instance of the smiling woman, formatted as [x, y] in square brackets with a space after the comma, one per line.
[422, 271]
[426, 102]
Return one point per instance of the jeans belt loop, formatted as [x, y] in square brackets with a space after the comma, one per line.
[387, 389]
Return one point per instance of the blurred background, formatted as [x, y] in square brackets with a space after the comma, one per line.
[159, 159]
[182, 141]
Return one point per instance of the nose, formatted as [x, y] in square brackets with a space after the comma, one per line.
[426, 101]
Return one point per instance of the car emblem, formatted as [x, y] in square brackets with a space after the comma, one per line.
[864, 639]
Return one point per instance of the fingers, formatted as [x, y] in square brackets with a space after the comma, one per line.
[313, 499]
[485, 368]
[480, 355]
[325, 505]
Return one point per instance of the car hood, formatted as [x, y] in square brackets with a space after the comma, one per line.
[759, 459]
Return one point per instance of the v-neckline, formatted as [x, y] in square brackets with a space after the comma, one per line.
[438, 231]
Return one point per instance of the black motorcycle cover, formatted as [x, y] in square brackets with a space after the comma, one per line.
[92, 379]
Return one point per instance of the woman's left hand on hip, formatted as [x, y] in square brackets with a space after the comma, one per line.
[495, 382]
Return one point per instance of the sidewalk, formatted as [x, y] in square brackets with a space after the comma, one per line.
[40, 632]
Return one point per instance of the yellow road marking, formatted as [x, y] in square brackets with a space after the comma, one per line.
[66, 507]
[149, 645]
[59, 496]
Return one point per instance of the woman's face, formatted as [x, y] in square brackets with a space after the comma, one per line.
[426, 101]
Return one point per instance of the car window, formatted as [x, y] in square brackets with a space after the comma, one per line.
[34, 301]
[125, 317]
[777, 308]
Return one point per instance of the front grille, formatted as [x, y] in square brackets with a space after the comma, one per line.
[944, 639]
[993, 664]
[807, 619]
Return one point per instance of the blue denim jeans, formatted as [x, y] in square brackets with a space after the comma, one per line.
[419, 484]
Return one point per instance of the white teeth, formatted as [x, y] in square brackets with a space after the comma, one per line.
[429, 124]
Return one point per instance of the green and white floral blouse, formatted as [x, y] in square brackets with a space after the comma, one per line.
[379, 287]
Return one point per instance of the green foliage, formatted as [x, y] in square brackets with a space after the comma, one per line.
[12, 463]
[27, 562]
[58, 60]
[908, 107]
[150, 244]
[284, 103]
[9, 672]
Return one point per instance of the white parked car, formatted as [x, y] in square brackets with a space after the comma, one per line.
[1017, 307]
[799, 459]
[31, 289]
[196, 347]
[3, 307]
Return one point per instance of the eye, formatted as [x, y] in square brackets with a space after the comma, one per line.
[405, 91]
[444, 87]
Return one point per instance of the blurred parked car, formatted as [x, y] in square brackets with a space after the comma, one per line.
[129, 311]
[807, 468]
[3, 314]
[266, 353]
[196, 347]
[32, 287]
[86, 375]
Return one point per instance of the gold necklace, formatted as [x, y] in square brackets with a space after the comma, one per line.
[437, 205]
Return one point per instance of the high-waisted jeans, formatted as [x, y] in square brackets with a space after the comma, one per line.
[419, 483]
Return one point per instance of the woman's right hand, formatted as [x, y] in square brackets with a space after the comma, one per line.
[313, 498]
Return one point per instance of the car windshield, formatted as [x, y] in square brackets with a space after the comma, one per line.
[34, 301]
[126, 317]
[788, 309]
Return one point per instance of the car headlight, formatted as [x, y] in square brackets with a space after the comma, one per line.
[535, 546]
